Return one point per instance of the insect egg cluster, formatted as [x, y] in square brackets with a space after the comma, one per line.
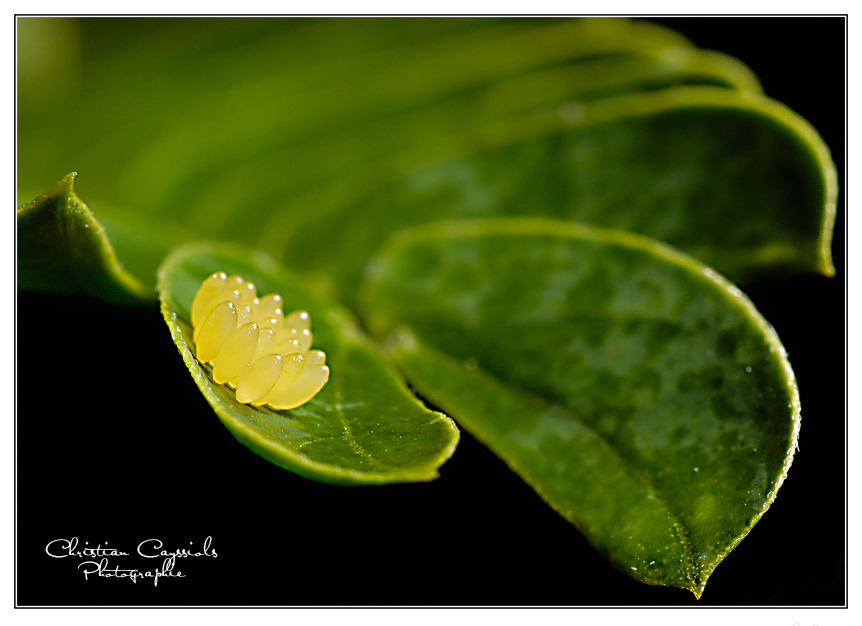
[253, 347]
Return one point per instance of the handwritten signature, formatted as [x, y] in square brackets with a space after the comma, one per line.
[148, 549]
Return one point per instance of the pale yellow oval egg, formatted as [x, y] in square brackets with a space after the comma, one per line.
[216, 330]
[259, 379]
[210, 294]
[236, 354]
[311, 379]
[265, 343]
[291, 367]
[299, 320]
[271, 306]
[210, 287]
[253, 347]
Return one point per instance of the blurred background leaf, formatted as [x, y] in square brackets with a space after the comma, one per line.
[303, 135]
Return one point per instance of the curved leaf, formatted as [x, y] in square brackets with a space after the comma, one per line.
[734, 179]
[306, 76]
[363, 427]
[347, 161]
[63, 248]
[278, 116]
[639, 393]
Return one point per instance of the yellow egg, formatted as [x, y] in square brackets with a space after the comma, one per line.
[271, 306]
[209, 295]
[211, 286]
[291, 367]
[311, 379]
[237, 353]
[259, 379]
[253, 347]
[265, 343]
[215, 331]
[298, 320]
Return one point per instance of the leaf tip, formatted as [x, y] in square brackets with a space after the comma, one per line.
[699, 584]
[66, 186]
[63, 248]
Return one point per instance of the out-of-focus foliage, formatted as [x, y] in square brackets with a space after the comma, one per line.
[278, 132]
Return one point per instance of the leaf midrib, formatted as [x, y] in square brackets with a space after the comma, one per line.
[348, 430]
[679, 527]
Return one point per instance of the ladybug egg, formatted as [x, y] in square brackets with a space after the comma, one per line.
[290, 368]
[253, 347]
[298, 320]
[270, 306]
[305, 340]
[212, 286]
[215, 331]
[265, 343]
[236, 354]
[245, 314]
[310, 380]
[259, 379]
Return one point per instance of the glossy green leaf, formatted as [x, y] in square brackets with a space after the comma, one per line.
[639, 393]
[363, 427]
[734, 179]
[331, 110]
[295, 79]
[63, 248]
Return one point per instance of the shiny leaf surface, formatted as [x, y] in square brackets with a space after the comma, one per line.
[684, 166]
[63, 248]
[335, 110]
[639, 393]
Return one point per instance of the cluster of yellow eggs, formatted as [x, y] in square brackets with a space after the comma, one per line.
[253, 347]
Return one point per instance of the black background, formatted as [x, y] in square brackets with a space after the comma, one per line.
[120, 464]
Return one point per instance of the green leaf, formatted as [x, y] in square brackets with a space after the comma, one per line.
[64, 249]
[363, 427]
[685, 166]
[381, 129]
[330, 110]
[640, 393]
